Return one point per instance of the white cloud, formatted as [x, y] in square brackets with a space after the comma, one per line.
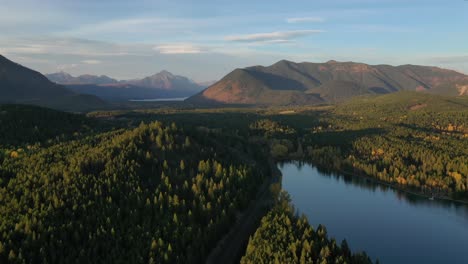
[278, 36]
[180, 48]
[91, 62]
[304, 19]
[69, 46]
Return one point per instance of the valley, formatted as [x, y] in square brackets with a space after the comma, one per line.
[225, 132]
[113, 173]
[157, 170]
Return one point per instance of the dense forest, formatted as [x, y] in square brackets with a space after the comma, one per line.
[152, 194]
[283, 237]
[411, 140]
[21, 125]
[164, 185]
[414, 141]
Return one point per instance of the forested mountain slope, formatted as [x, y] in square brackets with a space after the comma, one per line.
[153, 194]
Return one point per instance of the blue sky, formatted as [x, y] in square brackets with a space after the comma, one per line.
[205, 40]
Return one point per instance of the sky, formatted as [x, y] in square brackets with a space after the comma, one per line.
[204, 40]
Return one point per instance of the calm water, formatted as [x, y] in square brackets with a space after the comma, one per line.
[175, 99]
[389, 225]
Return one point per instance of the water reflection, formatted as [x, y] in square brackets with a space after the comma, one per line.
[368, 184]
[395, 226]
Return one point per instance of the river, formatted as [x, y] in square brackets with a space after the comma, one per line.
[388, 224]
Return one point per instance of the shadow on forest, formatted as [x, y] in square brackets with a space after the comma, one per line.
[343, 138]
[418, 128]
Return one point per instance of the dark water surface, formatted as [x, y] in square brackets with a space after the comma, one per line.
[392, 226]
[175, 99]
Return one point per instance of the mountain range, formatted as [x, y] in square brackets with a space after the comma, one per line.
[287, 82]
[67, 79]
[283, 83]
[160, 85]
[19, 84]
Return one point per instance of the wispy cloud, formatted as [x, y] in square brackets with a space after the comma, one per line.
[92, 62]
[67, 46]
[22, 49]
[293, 20]
[278, 36]
[180, 48]
[143, 28]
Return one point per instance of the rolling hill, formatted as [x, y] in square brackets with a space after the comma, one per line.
[19, 84]
[287, 82]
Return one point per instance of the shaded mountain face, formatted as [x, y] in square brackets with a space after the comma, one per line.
[160, 85]
[65, 78]
[285, 82]
[19, 84]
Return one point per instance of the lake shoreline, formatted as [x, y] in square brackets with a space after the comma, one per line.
[380, 182]
[363, 211]
[396, 187]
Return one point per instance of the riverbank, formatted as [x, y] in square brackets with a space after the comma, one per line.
[232, 246]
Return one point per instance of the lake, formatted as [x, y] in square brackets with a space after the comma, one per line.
[390, 225]
[175, 99]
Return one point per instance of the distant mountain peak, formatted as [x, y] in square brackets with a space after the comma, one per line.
[67, 79]
[165, 72]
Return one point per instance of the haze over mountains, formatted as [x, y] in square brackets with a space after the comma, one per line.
[287, 82]
[19, 84]
[282, 83]
[160, 85]
[66, 79]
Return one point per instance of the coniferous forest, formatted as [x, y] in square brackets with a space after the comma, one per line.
[226, 132]
[165, 185]
[283, 237]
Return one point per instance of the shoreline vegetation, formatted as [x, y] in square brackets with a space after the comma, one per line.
[67, 175]
[380, 182]
[405, 190]
[285, 237]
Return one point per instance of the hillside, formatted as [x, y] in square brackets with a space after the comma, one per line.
[19, 84]
[26, 124]
[151, 194]
[288, 82]
[243, 86]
